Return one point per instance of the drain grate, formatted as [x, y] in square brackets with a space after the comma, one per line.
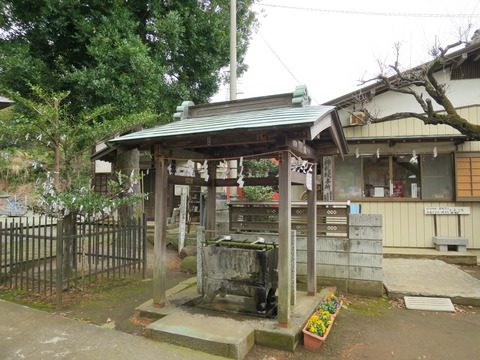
[428, 303]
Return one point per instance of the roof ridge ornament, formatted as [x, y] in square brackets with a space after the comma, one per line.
[182, 110]
[300, 96]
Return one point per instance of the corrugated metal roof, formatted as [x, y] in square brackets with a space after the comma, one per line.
[253, 119]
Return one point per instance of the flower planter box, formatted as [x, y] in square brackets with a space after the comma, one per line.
[313, 342]
[338, 310]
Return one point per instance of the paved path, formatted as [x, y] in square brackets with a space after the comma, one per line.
[32, 334]
[430, 278]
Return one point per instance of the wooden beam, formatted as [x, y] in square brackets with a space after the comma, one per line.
[298, 178]
[187, 154]
[211, 198]
[312, 236]
[301, 149]
[284, 235]
[320, 125]
[186, 180]
[250, 150]
[218, 140]
[327, 150]
[271, 181]
[160, 237]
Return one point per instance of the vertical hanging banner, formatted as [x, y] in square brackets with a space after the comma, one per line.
[327, 178]
[190, 171]
[309, 179]
[240, 181]
[225, 171]
[182, 219]
[205, 174]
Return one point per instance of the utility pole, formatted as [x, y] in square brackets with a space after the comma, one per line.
[233, 49]
[233, 78]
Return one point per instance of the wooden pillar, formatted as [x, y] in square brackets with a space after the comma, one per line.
[312, 235]
[211, 199]
[284, 232]
[160, 240]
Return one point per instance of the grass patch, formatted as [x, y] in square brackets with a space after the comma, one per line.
[367, 306]
[101, 291]
[35, 301]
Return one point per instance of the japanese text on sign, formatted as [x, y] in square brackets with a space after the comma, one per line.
[447, 210]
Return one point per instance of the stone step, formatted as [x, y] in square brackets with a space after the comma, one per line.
[223, 333]
[217, 336]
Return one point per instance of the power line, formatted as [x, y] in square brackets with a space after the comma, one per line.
[373, 13]
[284, 65]
[278, 57]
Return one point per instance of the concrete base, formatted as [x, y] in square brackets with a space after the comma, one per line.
[450, 257]
[352, 286]
[430, 278]
[225, 334]
[446, 243]
[228, 338]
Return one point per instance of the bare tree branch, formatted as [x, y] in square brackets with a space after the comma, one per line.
[423, 77]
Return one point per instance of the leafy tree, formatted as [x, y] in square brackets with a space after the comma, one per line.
[81, 69]
[260, 168]
[422, 84]
[134, 55]
[110, 62]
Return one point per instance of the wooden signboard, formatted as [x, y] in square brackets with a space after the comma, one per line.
[447, 211]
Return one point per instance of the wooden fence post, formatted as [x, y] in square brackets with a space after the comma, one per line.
[59, 263]
[144, 246]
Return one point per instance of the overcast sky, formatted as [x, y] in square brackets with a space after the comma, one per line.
[330, 46]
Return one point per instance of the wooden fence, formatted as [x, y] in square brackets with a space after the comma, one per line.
[332, 217]
[33, 256]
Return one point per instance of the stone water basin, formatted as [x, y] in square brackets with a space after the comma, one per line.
[241, 268]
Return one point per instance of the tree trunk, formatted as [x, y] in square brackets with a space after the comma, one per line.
[56, 168]
[126, 162]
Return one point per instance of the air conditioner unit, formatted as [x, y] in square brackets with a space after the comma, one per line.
[357, 118]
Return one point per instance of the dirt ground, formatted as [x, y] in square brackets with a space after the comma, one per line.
[366, 328]
[114, 305]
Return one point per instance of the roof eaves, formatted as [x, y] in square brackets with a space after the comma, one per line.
[253, 120]
[408, 138]
[4, 102]
[379, 88]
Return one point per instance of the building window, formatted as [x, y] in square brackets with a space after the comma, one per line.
[468, 176]
[437, 175]
[376, 176]
[394, 177]
[348, 178]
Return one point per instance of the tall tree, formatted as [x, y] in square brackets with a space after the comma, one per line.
[421, 83]
[135, 56]
[131, 54]
[65, 61]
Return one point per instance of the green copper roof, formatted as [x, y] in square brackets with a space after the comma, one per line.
[233, 122]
